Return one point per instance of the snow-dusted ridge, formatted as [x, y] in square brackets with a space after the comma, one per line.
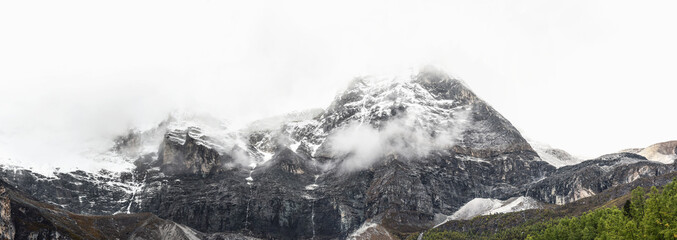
[555, 157]
[665, 152]
[106, 161]
[375, 115]
[401, 109]
[376, 98]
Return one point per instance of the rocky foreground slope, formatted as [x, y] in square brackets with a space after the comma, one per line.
[389, 155]
[24, 218]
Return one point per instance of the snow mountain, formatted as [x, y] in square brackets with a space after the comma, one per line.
[390, 156]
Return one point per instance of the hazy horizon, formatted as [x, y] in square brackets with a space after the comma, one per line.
[589, 77]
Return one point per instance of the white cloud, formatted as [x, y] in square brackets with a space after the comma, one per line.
[363, 144]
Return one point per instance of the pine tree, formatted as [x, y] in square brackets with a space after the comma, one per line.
[626, 208]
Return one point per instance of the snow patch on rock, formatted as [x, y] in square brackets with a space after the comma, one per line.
[487, 206]
[555, 157]
[370, 230]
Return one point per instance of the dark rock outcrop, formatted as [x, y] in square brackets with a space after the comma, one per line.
[79, 191]
[24, 218]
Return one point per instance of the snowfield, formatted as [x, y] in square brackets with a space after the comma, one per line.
[488, 206]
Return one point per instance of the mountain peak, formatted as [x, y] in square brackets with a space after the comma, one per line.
[443, 86]
[428, 108]
[431, 74]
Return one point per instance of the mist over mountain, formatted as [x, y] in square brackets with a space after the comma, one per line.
[389, 157]
[302, 119]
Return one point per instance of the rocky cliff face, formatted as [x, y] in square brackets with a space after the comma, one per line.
[388, 154]
[184, 152]
[7, 230]
[24, 218]
[83, 192]
[588, 178]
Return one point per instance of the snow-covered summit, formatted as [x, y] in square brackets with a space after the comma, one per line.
[376, 99]
[428, 108]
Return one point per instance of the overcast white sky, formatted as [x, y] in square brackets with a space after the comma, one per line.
[591, 77]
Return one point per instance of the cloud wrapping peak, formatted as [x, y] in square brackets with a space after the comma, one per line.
[362, 144]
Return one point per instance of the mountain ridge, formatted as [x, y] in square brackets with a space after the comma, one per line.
[393, 154]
